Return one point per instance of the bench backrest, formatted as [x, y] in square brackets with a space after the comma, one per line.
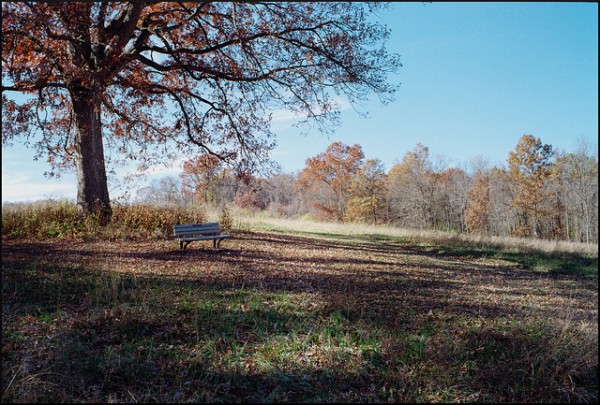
[197, 229]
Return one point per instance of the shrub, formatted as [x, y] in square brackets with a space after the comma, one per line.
[226, 220]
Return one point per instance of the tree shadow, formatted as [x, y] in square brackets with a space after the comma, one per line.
[348, 281]
[122, 327]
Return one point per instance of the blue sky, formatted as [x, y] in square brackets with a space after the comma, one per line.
[475, 77]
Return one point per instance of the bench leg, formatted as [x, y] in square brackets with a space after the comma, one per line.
[183, 245]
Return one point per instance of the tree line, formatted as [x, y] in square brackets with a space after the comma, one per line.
[541, 192]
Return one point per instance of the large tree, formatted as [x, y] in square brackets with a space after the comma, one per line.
[148, 80]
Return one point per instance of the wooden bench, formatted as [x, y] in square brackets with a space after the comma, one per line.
[187, 233]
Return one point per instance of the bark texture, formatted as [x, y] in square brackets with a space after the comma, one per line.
[92, 185]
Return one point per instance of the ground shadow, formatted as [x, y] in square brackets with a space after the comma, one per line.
[117, 331]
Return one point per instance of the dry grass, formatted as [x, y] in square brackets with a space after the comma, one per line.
[246, 221]
[60, 219]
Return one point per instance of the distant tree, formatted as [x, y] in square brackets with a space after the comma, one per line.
[282, 196]
[477, 215]
[156, 79]
[530, 167]
[554, 226]
[503, 216]
[451, 198]
[250, 199]
[579, 191]
[202, 176]
[327, 178]
[166, 191]
[367, 201]
[410, 189]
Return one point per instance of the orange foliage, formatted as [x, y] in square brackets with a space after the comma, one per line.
[530, 168]
[201, 176]
[327, 177]
[478, 204]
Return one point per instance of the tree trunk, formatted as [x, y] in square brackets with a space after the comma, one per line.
[92, 186]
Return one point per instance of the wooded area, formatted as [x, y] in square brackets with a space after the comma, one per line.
[542, 193]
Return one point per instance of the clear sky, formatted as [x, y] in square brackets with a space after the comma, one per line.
[475, 77]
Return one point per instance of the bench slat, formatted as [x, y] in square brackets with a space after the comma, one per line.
[190, 229]
[192, 232]
[223, 236]
[196, 226]
[203, 224]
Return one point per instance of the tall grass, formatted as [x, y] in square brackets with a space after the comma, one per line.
[52, 218]
[261, 222]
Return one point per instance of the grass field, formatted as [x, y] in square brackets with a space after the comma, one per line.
[296, 311]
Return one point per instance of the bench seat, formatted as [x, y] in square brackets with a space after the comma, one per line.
[187, 233]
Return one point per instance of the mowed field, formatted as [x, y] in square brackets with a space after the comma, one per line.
[296, 315]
